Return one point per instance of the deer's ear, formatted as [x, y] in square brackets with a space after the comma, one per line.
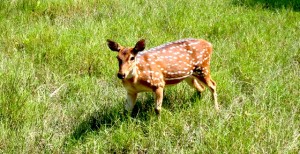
[139, 46]
[113, 45]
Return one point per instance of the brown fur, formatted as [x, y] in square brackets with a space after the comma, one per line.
[164, 65]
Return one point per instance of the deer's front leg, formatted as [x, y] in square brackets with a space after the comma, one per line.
[131, 98]
[158, 99]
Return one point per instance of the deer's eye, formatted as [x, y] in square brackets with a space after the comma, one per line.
[132, 58]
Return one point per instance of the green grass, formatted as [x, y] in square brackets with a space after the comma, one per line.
[59, 91]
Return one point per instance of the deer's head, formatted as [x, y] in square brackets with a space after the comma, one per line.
[126, 56]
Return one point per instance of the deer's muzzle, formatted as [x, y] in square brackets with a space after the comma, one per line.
[121, 76]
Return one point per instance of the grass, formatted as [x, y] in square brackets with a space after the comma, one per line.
[59, 90]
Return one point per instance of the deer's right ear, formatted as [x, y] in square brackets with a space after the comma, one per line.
[139, 46]
[113, 45]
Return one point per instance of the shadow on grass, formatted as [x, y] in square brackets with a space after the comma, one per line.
[270, 4]
[112, 116]
[172, 101]
[105, 117]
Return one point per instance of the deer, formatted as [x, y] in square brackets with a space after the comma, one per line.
[168, 64]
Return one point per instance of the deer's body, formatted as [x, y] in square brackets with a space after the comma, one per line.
[168, 64]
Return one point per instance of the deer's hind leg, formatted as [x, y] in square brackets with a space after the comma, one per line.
[193, 82]
[206, 80]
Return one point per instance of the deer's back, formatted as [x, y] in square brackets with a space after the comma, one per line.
[172, 62]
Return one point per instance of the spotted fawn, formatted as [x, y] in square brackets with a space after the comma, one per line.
[168, 64]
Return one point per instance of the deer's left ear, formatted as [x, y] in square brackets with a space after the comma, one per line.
[139, 46]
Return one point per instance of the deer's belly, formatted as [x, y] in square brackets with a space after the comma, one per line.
[173, 82]
[139, 86]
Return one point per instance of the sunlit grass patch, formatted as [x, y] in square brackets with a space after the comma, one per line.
[59, 91]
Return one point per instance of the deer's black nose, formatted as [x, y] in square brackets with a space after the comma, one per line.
[121, 76]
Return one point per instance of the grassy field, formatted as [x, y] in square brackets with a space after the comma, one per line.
[59, 91]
